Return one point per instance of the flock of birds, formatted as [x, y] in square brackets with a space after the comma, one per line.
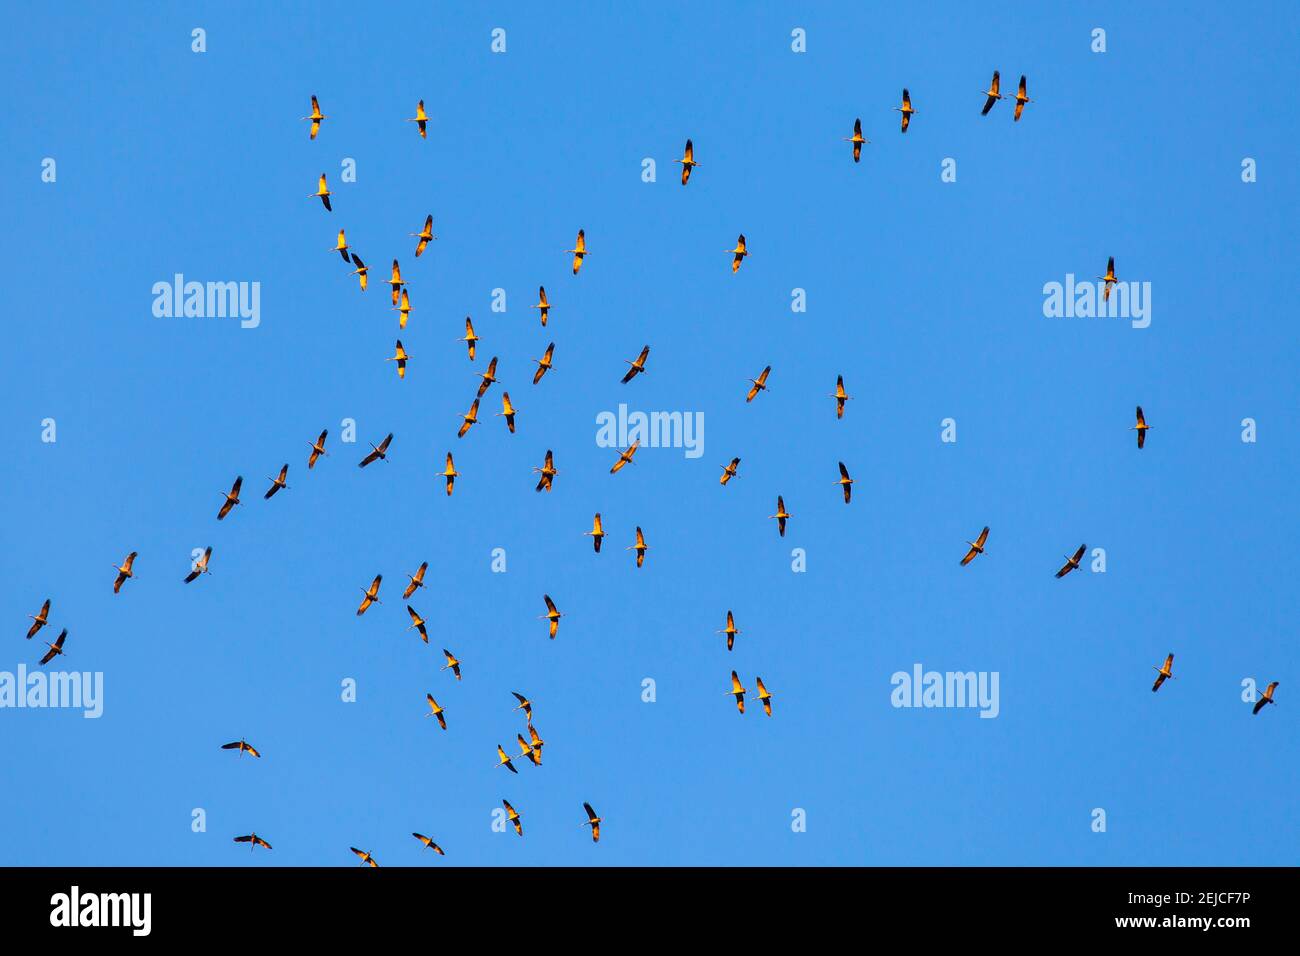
[530, 749]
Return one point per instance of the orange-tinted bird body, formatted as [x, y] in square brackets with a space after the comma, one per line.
[1072, 562]
[840, 396]
[415, 581]
[906, 110]
[39, 620]
[542, 305]
[1163, 673]
[316, 117]
[123, 572]
[370, 595]
[1021, 99]
[544, 363]
[323, 194]
[421, 119]
[597, 533]
[688, 162]
[579, 251]
[377, 452]
[857, 139]
[317, 449]
[738, 254]
[424, 235]
[976, 547]
[993, 93]
[1265, 699]
[730, 630]
[738, 691]
[1141, 428]
[781, 515]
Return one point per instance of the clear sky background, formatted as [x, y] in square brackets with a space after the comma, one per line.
[927, 297]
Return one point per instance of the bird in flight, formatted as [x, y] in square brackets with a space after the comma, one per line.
[362, 272]
[906, 109]
[371, 595]
[253, 841]
[637, 367]
[529, 752]
[450, 473]
[542, 305]
[278, 482]
[417, 622]
[525, 705]
[976, 547]
[366, 858]
[992, 93]
[200, 565]
[469, 338]
[416, 580]
[1108, 278]
[764, 697]
[1141, 427]
[729, 471]
[738, 253]
[579, 251]
[781, 516]
[123, 572]
[487, 377]
[452, 663]
[424, 235]
[232, 498]
[377, 452]
[242, 746]
[857, 139]
[594, 821]
[317, 449]
[547, 471]
[1266, 698]
[468, 420]
[323, 194]
[428, 842]
[503, 759]
[341, 247]
[846, 483]
[1163, 673]
[514, 817]
[395, 281]
[56, 648]
[421, 118]
[640, 547]
[730, 630]
[625, 457]
[688, 162]
[1072, 562]
[758, 384]
[840, 396]
[40, 619]
[403, 308]
[544, 363]
[738, 691]
[552, 615]
[436, 711]
[315, 117]
[1021, 98]
[597, 533]
[399, 356]
[537, 743]
[508, 411]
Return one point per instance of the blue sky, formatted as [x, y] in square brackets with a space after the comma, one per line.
[927, 296]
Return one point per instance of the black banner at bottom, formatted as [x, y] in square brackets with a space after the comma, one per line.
[1225, 905]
